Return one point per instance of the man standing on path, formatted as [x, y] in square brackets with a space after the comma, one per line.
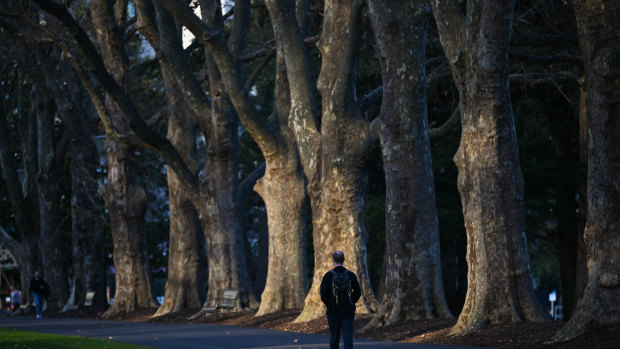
[39, 289]
[340, 290]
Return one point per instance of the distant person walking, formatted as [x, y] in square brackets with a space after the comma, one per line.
[39, 290]
[340, 290]
[16, 299]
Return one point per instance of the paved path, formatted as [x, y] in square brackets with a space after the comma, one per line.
[184, 336]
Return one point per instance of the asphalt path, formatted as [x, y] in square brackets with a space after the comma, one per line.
[208, 336]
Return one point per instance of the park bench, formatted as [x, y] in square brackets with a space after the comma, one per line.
[88, 301]
[228, 301]
[23, 306]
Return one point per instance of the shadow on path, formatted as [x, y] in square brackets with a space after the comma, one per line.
[184, 336]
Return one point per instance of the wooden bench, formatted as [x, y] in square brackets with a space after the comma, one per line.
[229, 300]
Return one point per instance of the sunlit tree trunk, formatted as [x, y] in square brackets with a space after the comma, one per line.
[413, 286]
[185, 287]
[499, 288]
[334, 160]
[123, 194]
[268, 137]
[282, 189]
[598, 25]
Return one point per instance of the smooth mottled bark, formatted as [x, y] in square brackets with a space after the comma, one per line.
[274, 147]
[282, 189]
[335, 172]
[123, 194]
[186, 254]
[186, 259]
[598, 23]
[499, 288]
[413, 279]
[332, 154]
[51, 241]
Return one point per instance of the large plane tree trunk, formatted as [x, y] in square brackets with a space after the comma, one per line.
[413, 284]
[268, 138]
[123, 194]
[186, 258]
[499, 288]
[282, 189]
[598, 24]
[335, 171]
[185, 287]
[224, 238]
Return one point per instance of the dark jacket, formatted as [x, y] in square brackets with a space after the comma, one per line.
[326, 291]
[39, 286]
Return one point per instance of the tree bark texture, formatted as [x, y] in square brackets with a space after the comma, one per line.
[413, 285]
[598, 24]
[186, 255]
[220, 184]
[490, 180]
[335, 171]
[52, 244]
[125, 198]
[78, 116]
[581, 263]
[282, 189]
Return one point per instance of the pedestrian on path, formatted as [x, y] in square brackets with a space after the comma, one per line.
[340, 290]
[16, 299]
[39, 290]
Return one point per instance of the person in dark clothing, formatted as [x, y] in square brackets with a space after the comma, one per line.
[340, 317]
[40, 290]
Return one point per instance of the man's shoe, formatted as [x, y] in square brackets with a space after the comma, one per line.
[39, 317]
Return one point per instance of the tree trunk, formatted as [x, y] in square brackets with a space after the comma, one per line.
[126, 203]
[490, 180]
[78, 116]
[221, 182]
[124, 197]
[269, 140]
[581, 276]
[51, 242]
[282, 189]
[336, 186]
[185, 287]
[598, 24]
[414, 286]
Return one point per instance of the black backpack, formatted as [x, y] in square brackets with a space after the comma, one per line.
[341, 290]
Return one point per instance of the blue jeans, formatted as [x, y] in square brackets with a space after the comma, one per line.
[37, 302]
[342, 324]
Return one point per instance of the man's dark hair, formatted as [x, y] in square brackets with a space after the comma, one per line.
[338, 257]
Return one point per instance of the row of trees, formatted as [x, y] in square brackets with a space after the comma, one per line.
[85, 54]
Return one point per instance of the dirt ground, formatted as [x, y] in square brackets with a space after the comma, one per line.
[519, 335]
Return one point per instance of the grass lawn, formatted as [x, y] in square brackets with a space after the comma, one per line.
[24, 339]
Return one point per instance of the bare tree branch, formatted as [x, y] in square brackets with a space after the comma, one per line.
[551, 59]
